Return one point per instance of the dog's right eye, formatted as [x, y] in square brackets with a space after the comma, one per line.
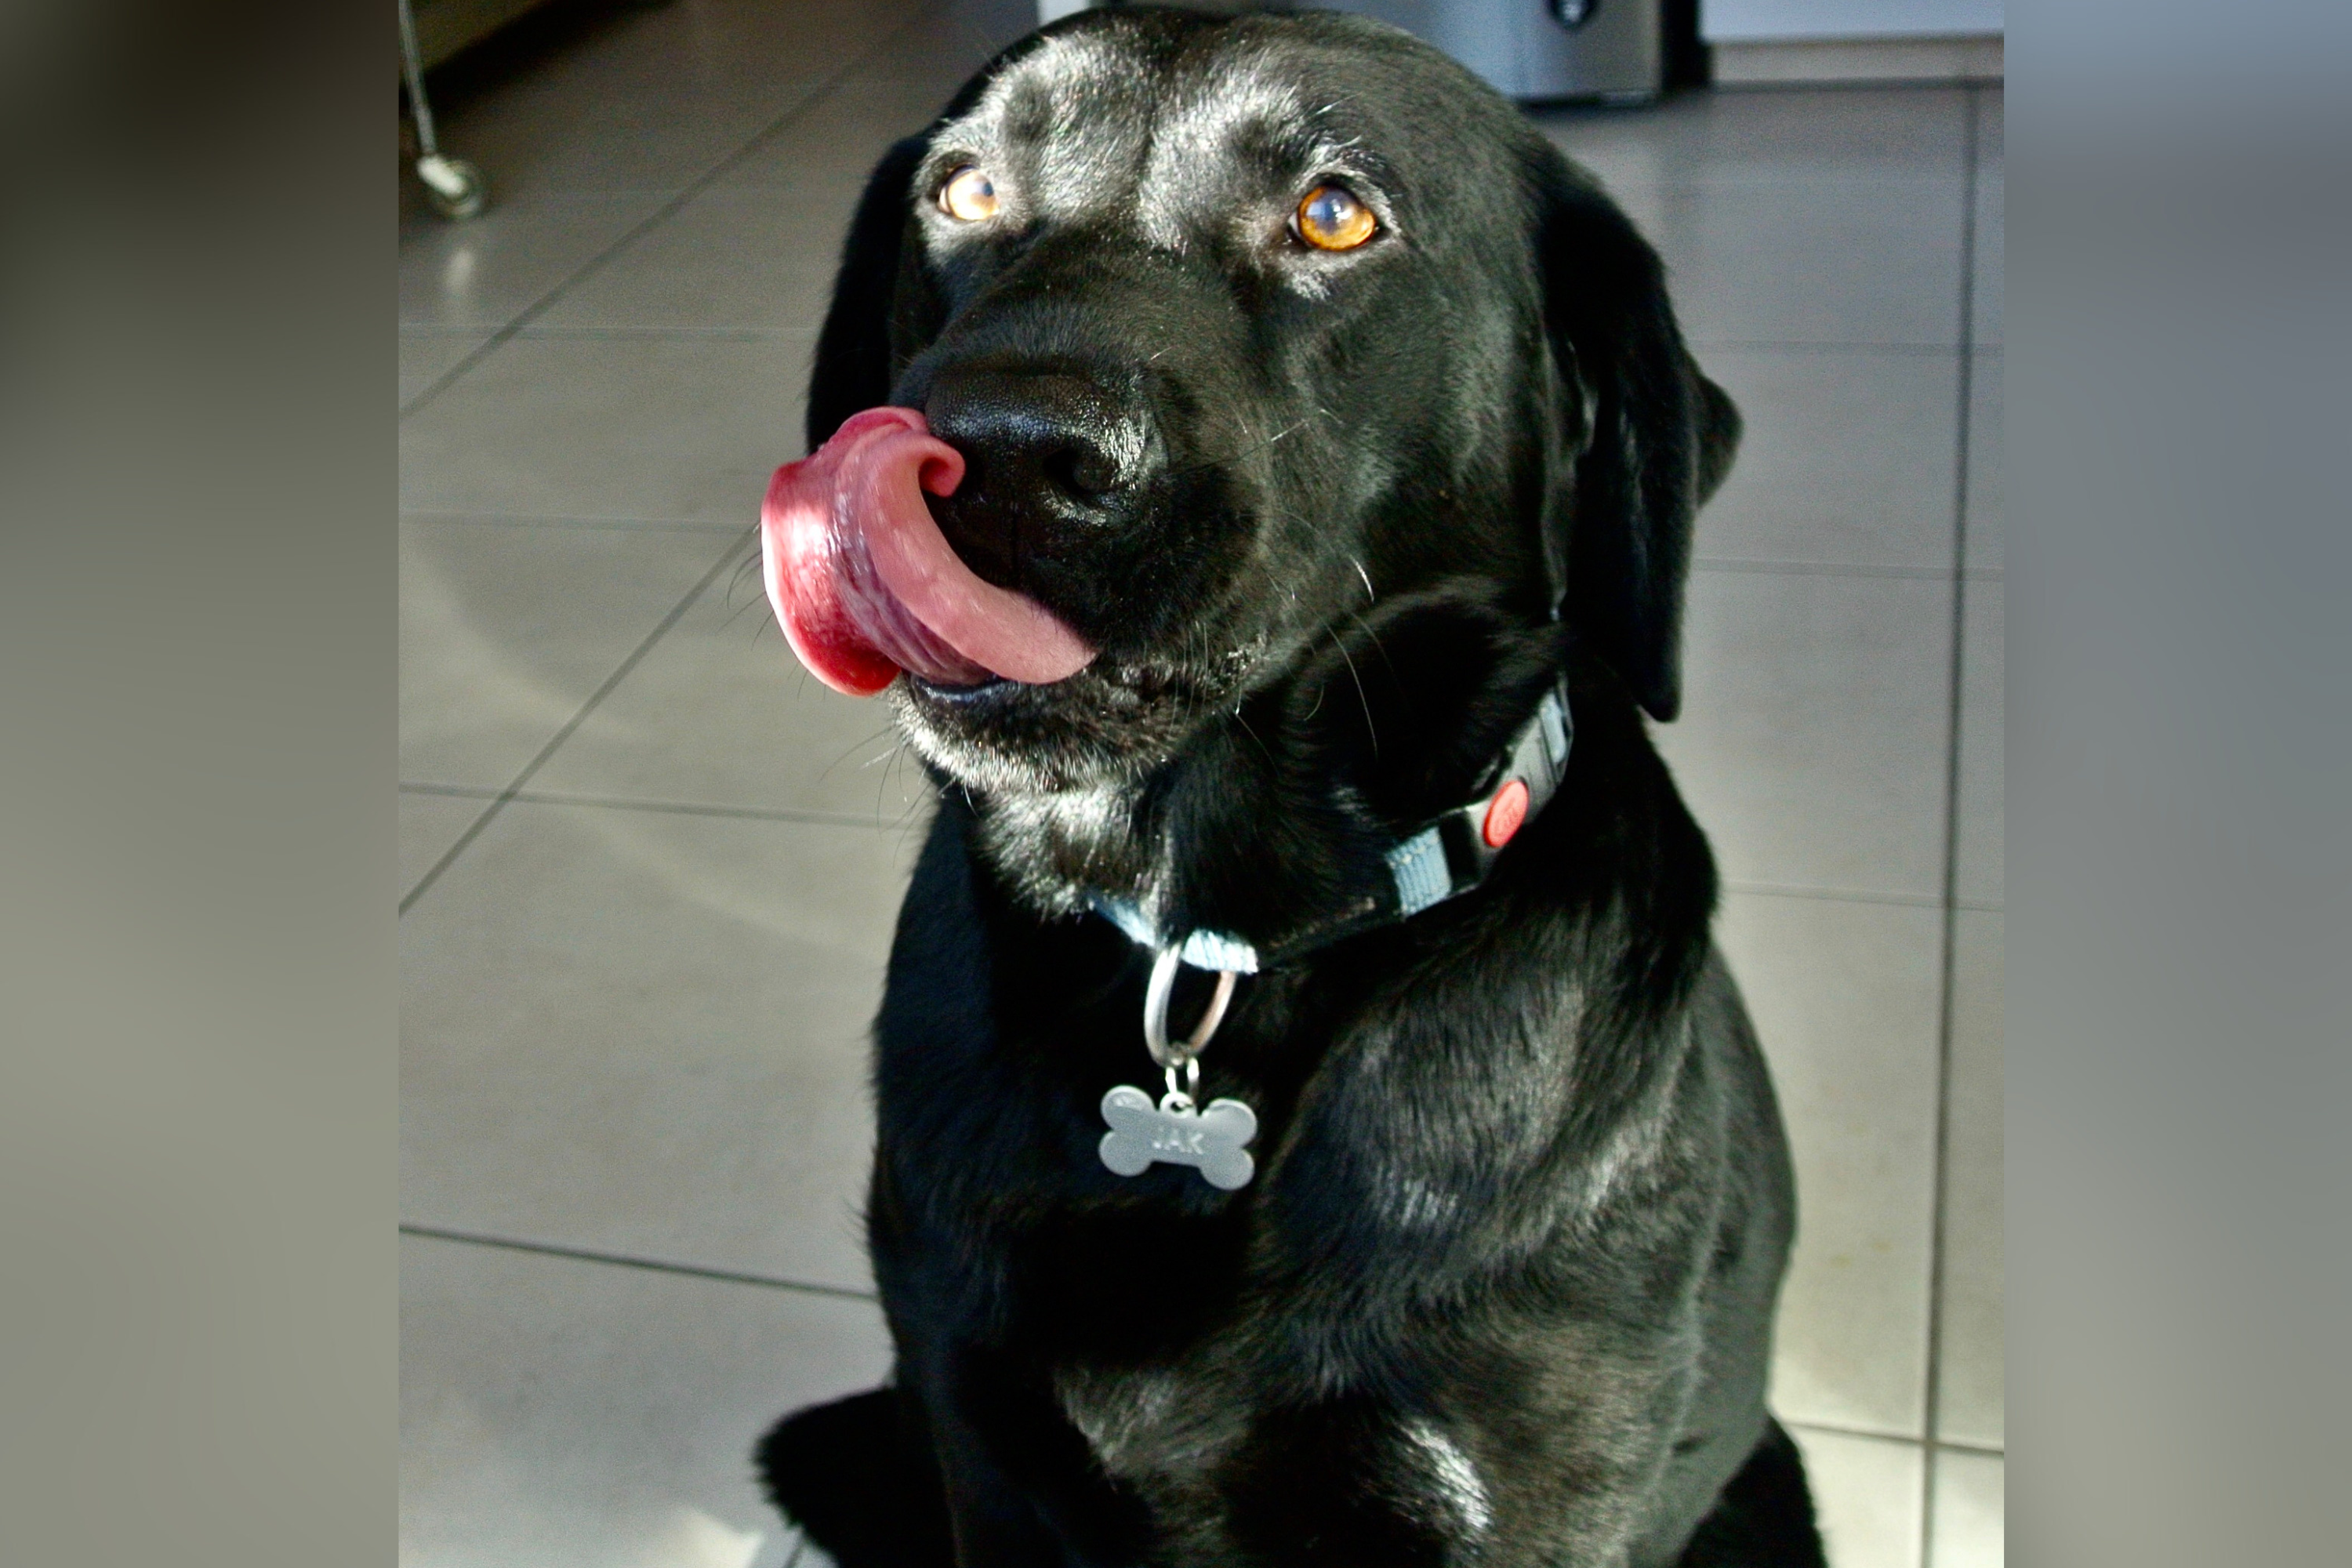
[969, 196]
[1330, 217]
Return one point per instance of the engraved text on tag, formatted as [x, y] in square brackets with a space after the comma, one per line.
[1210, 1140]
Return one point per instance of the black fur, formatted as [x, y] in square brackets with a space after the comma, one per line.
[1502, 1290]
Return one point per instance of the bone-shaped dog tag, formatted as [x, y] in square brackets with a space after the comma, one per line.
[1171, 1132]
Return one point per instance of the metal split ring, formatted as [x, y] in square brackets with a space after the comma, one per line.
[1183, 1097]
[1155, 1015]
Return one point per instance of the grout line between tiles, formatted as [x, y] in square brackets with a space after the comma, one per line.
[669, 334]
[1832, 346]
[1840, 1429]
[823, 90]
[1863, 84]
[1839, 569]
[1800, 183]
[677, 807]
[1981, 1450]
[677, 611]
[1940, 1183]
[626, 1260]
[1836, 895]
[537, 520]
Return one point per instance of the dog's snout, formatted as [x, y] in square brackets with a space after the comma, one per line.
[1016, 447]
[1050, 458]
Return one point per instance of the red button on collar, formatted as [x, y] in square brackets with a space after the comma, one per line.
[1503, 813]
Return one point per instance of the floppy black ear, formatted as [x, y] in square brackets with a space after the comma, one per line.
[1651, 441]
[854, 366]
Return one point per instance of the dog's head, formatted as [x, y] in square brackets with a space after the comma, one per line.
[1242, 328]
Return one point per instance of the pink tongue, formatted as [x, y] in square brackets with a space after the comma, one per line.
[864, 584]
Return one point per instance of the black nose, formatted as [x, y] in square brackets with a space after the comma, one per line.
[1051, 459]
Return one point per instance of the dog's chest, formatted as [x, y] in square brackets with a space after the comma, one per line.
[1154, 1424]
[1195, 1444]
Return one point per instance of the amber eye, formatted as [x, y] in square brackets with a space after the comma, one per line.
[1332, 218]
[970, 195]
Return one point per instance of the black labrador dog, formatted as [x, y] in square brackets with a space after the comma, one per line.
[1350, 425]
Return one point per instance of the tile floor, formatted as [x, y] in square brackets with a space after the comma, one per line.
[649, 868]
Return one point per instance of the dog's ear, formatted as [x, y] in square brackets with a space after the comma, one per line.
[854, 367]
[1646, 437]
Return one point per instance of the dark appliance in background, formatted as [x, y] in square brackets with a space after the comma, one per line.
[1615, 51]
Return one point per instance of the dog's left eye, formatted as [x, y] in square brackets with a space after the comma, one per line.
[1332, 218]
[969, 196]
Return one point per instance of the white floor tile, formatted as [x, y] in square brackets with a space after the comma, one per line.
[429, 825]
[557, 1414]
[828, 152]
[1990, 136]
[1987, 439]
[1844, 996]
[1847, 458]
[651, 98]
[721, 713]
[1972, 1404]
[425, 357]
[964, 36]
[647, 1033]
[1812, 741]
[1748, 137]
[546, 142]
[741, 259]
[669, 429]
[1982, 841]
[1810, 261]
[488, 270]
[1866, 1494]
[506, 629]
[1992, 227]
[1969, 1510]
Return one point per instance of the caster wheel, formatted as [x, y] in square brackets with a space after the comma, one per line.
[455, 187]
